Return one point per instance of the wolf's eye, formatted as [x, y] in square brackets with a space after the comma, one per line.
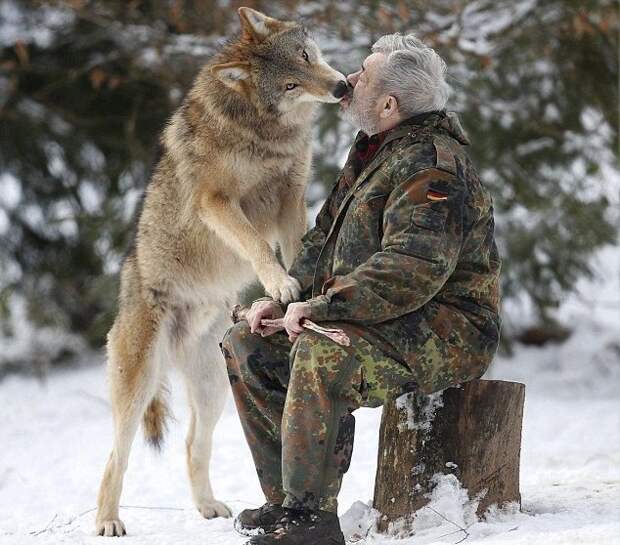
[304, 54]
[290, 86]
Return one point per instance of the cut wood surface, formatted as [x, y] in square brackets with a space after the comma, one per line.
[473, 432]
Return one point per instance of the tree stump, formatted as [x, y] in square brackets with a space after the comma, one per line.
[473, 432]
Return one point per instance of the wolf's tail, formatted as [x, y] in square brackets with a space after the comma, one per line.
[155, 419]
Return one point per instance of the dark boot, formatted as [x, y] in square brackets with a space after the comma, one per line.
[302, 527]
[258, 521]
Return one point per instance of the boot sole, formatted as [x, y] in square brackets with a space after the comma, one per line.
[246, 531]
[328, 541]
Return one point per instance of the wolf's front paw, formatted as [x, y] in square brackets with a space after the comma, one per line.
[280, 286]
[111, 528]
[286, 291]
[213, 508]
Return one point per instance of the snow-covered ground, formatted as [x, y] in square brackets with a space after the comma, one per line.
[54, 439]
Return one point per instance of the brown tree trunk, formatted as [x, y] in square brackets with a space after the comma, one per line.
[473, 432]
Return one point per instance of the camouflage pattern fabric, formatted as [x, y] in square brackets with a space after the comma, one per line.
[295, 404]
[404, 247]
[403, 258]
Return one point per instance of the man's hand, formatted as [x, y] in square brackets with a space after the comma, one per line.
[295, 313]
[260, 310]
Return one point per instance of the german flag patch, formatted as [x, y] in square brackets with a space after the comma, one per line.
[433, 195]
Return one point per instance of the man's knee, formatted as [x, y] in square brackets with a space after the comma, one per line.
[237, 337]
[236, 342]
[249, 357]
[316, 358]
[307, 348]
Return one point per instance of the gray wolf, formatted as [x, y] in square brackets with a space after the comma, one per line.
[228, 188]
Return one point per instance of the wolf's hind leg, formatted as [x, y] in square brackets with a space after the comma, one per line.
[207, 387]
[135, 377]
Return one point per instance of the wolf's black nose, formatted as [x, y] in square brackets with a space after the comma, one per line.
[340, 90]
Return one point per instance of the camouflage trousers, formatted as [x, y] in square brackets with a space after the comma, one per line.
[295, 404]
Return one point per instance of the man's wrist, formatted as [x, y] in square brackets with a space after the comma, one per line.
[319, 308]
[267, 299]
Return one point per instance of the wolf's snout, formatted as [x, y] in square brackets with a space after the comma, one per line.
[340, 90]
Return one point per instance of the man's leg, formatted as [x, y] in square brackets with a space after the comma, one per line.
[327, 383]
[258, 369]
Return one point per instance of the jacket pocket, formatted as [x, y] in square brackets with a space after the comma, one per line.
[428, 218]
[425, 233]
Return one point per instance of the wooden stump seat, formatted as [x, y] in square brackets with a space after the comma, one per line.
[473, 432]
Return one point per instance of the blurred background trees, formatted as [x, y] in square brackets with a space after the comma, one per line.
[87, 85]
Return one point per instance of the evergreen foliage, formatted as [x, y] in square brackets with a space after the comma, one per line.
[87, 85]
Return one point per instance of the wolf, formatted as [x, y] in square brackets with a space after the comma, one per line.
[228, 188]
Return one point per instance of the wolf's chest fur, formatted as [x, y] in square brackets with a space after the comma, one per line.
[263, 170]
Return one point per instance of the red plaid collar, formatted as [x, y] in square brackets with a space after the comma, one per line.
[366, 148]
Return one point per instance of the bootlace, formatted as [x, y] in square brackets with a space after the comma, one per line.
[294, 518]
[266, 507]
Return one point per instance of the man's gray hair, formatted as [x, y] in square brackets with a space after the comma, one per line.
[413, 73]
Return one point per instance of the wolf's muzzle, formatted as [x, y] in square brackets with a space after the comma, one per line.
[340, 90]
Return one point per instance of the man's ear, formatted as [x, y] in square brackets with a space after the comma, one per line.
[232, 74]
[390, 107]
[256, 25]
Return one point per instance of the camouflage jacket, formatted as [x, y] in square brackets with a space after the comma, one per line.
[405, 251]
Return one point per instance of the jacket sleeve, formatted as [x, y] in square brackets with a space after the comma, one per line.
[422, 238]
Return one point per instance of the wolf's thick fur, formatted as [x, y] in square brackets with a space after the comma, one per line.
[229, 186]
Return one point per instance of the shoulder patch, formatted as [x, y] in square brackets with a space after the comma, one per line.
[447, 151]
[431, 185]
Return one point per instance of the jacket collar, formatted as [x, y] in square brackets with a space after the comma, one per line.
[407, 127]
[447, 121]
[410, 122]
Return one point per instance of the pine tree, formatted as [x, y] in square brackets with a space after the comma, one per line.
[86, 87]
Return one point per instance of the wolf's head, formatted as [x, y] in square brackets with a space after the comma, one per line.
[276, 66]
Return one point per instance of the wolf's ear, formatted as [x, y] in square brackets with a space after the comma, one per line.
[257, 25]
[232, 74]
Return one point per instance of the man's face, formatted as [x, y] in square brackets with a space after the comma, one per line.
[361, 108]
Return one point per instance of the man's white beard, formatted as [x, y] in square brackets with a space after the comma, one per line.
[361, 115]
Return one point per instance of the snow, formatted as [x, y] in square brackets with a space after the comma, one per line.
[38, 27]
[55, 437]
[423, 420]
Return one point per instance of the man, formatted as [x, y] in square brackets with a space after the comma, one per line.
[403, 258]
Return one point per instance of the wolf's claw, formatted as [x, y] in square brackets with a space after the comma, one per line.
[279, 284]
[287, 291]
[213, 509]
[111, 528]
